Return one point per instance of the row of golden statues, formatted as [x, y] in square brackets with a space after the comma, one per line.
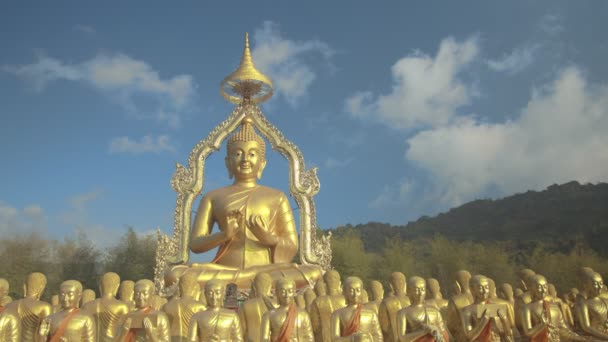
[332, 310]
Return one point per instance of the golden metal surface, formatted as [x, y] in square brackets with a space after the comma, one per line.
[390, 306]
[215, 323]
[246, 82]
[368, 327]
[188, 182]
[70, 324]
[324, 306]
[144, 321]
[30, 310]
[254, 308]
[180, 310]
[592, 312]
[275, 322]
[419, 319]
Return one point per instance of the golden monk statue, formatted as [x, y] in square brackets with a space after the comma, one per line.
[457, 303]
[88, 295]
[287, 323]
[55, 306]
[324, 306]
[180, 310]
[125, 293]
[593, 311]
[30, 310]
[255, 307]
[487, 319]
[70, 324]
[420, 322]
[320, 288]
[145, 323]
[506, 292]
[309, 298]
[387, 312]
[525, 297]
[436, 297]
[4, 297]
[10, 327]
[107, 311]
[568, 317]
[377, 291]
[354, 322]
[542, 319]
[216, 323]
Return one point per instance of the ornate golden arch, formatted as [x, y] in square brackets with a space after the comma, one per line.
[189, 183]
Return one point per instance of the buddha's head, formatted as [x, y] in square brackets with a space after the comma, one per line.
[88, 295]
[594, 285]
[525, 276]
[285, 291]
[433, 288]
[332, 280]
[480, 288]
[108, 284]
[539, 287]
[245, 153]
[492, 285]
[3, 287]
[143, 292]
[188, 285]
[34, 285]
[506, 292]
[352, 290]
[398, 284]
[70, 293]
[126, 291]
[461, 281]
[377, 290]
[416, 290]
[320, 288]
[214, 293]
[262, 284]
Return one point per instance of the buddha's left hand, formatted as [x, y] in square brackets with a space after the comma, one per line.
[259, 228]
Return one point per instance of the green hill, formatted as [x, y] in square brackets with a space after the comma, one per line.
[563, 216]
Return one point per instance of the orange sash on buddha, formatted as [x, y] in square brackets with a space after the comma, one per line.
[486, 333]
[430, 338]
[354, 324]
[1, 308]
[543, 335]
[63, 326]
[132, 334]
[288, 325]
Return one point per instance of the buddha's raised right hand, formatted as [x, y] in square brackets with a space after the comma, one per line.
[233, 220]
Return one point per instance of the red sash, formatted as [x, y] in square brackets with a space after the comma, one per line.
[132, 334]
[543, 335]
[486, 333]
[430, 338]
[63, 326]
[354, 324]
[1, 308]
[288, 325]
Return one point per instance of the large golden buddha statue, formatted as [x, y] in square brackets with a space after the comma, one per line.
[256, 230]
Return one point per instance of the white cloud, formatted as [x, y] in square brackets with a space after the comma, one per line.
[147, 144]
[121, 78]
[14, 220]
[551, 23]
[86, 29]
[426, 90]
[516, 61]
[391, 195]
[283, 61]
[559, 136]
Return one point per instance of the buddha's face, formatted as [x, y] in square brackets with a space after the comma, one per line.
[417, 292]
[285, 293]
[245, 161]
[540, 288]
[596, 284]
[69, 296]
[352, 292]
[142, 295]
[481, 289]
[214, 294]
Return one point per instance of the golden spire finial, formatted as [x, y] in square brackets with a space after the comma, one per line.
[246, 83]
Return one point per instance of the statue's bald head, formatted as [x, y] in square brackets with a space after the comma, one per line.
[433, 286]
[75, 284]
[145, 284]
[35, 284]
[320, 288]
[4, 287]
[109, 283]
[262, 284]
[126, 290]
[188, 285]
[377, 290]
[462, 278]
[332, 280]
[525, 275]
[214, 284]
[398, 283]
[506, 291]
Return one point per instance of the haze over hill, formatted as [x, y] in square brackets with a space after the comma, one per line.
[563, 216]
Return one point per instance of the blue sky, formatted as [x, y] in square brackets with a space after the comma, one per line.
[406, 109]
